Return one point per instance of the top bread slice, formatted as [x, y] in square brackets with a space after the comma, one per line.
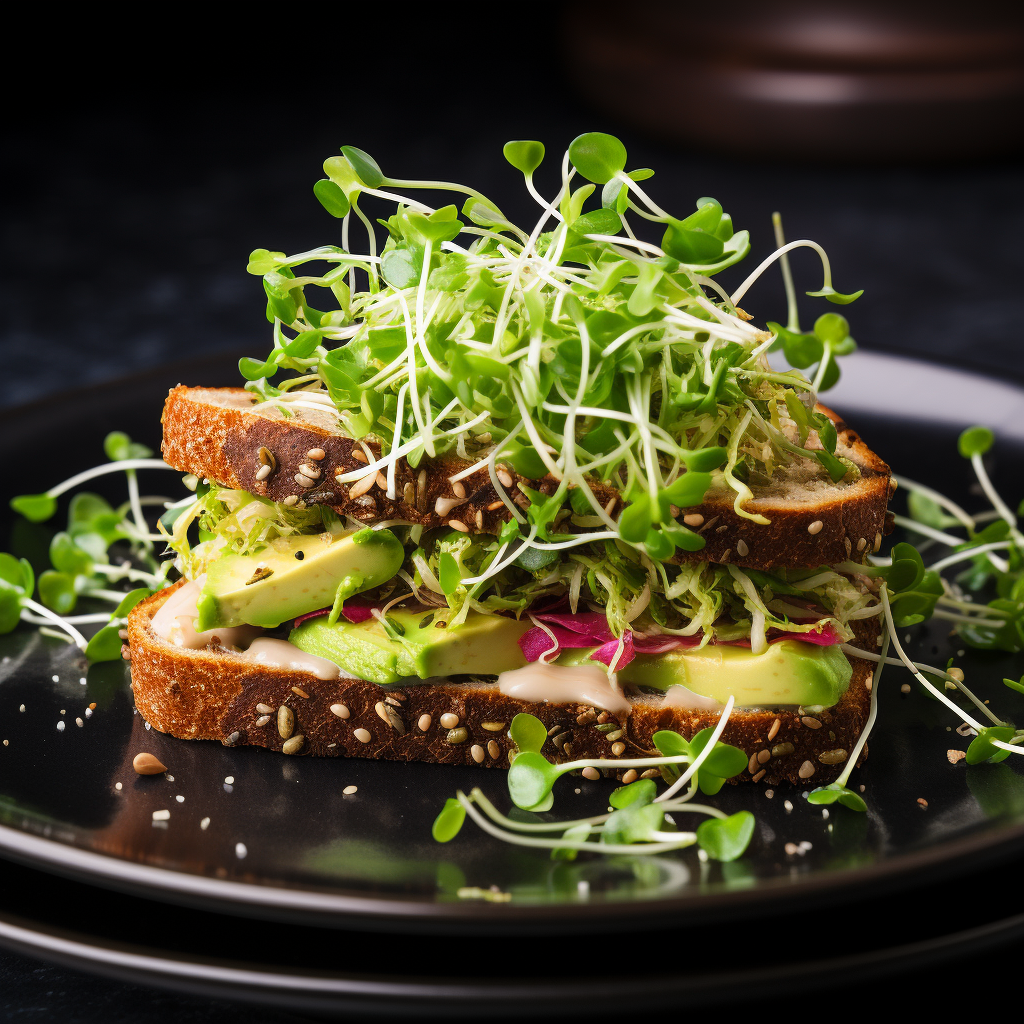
[219, 434]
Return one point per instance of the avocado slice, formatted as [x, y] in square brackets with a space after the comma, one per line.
[416, 645]
[295, 575]
[789, 672]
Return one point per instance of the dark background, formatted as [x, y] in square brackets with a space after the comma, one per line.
[139, 174]
[136, 190]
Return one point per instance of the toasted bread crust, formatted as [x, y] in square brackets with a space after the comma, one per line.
[222, 442]
[212, 694]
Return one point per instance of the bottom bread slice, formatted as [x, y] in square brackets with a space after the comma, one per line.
[214, 694]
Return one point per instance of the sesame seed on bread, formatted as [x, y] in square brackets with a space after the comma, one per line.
[214, 694]
[218, 433]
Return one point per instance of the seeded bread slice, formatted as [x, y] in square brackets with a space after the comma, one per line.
[218, 434]
[214, 694]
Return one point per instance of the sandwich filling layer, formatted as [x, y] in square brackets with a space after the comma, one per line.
[398, 603]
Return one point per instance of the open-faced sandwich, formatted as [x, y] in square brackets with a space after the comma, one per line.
[548, 471]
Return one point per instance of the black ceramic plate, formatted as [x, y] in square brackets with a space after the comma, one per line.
[283, 842]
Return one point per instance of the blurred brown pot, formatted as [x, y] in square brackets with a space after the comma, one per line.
[840, 81]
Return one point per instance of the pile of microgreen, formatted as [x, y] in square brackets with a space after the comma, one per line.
[907, 593]
[574, 349]
[102, 547]
[639, 820]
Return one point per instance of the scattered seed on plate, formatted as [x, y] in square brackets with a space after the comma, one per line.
[60, 727]
[79, 723]
[88, 712]
[180, 799]
[161, 815]
[204, 824]
[229, 779]
[146, 764]
[169, 777]
[349, 790]
[117, 786]
[788, 806]
[240, 851]
[56, 679]
[22, 708]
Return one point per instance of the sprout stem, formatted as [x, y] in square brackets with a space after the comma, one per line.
[884, 595]
[882, 661]
[939, 498]
[53, 617]
[109, 467]
[793, 323]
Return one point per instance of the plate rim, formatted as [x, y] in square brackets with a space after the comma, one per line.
[460, 995]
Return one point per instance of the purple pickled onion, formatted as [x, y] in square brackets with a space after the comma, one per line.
[312, 615]
[535, 642]
[352, 612]
[590, 629]
[592, 624]
[358, 612]
[606, 652]
[661, 644]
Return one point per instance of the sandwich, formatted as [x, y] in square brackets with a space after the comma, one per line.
[547, 471]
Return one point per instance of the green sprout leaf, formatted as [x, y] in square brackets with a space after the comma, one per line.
[528, 733]
[262, 261]
[598, 222]
[983, 749]
[66, 556]
[365, 166]
[36, 508]
[448, 823]
[576, 834]
[10, 609]
[597, 156]
[119, 446]
[828, 292]
[1014, 685]
[105, 644]
[57, 591]
[530, 779]
[726, 839]
[636, 520]
[837, 793]
[449, 576]
[640, 793]
[332, 197]
[130, 600]
[975, 441]
[523, 155]
[17, 573]
[633, 824]
[689, 489]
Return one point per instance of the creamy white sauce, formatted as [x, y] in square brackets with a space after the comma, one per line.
[175, 622]
[679, 696]
[282, 654]
[564, 684]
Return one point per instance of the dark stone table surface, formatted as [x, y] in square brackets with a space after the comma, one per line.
[129, 213]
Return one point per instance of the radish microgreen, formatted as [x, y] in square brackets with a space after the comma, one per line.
[505, 346]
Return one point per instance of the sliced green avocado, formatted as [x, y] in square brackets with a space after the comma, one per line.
[789, 672]
[295, 575]
[417, 646]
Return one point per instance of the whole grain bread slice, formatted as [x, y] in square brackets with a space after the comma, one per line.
[219, 433]
[214, 694]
